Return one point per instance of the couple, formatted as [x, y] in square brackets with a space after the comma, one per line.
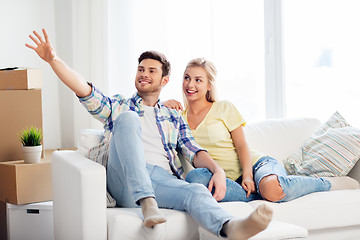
[143, 138]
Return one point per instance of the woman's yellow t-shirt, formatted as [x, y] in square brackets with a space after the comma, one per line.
[213, 134]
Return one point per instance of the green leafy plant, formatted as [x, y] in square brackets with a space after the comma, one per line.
[31, 136]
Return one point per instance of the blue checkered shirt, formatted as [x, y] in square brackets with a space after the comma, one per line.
[176, 134]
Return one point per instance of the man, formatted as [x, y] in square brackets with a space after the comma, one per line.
[142, 141]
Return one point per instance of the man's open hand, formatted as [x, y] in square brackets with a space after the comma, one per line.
[43, 48]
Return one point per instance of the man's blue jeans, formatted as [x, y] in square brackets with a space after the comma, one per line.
[130, 179]
[293, 186]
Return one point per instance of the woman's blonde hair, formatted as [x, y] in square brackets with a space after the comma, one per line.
[210, 69]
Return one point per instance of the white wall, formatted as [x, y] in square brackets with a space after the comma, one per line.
[73, 26]
[18, 19]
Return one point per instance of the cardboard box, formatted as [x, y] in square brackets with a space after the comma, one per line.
[20, 79]
[19, 109]
[30, 221]
[22, 183]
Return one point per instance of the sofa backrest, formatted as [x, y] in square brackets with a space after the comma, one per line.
[279, 138]
[89, 138]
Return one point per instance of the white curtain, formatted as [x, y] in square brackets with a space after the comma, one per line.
[230, 33]
[81, 38]
[105, 39]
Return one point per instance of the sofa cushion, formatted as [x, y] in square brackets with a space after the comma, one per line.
[279, 138]
[275, 230]
[320, 210]
[331, 151]
[127, 223]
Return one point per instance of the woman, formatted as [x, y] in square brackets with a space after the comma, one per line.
[218, 127]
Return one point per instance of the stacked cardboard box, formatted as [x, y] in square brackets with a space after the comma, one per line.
[22, 183]
[20, 79]
[21, 107]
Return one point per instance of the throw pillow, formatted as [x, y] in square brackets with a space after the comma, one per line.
[331, 151]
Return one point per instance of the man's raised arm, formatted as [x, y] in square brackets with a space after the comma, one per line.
[68, 76]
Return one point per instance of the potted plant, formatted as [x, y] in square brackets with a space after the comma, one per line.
[31, 144]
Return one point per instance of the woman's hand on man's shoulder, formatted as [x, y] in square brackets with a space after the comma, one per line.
[173, 104]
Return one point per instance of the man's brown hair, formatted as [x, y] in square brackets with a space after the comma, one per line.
[158, 57]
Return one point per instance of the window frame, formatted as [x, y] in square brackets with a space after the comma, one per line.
[274, 59]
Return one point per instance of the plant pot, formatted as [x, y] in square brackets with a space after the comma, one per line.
[32, 154]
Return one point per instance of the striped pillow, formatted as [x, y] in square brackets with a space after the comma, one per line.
[331, 151]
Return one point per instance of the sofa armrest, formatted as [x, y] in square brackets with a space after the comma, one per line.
[355, 172]
[79, 197]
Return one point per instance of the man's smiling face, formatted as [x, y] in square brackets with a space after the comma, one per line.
[149, 77]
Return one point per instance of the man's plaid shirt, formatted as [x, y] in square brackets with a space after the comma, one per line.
[175, 132]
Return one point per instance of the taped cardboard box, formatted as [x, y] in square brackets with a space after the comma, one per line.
[19, 109]
[22, 183]
[20, 79]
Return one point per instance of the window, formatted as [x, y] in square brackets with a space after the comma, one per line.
[230, 33]
[321, 58]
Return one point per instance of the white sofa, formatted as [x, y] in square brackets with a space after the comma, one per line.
[79, 189]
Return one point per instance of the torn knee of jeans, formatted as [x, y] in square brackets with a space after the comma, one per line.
[270, 189]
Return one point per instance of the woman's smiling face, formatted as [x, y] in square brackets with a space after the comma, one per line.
[195, 83]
